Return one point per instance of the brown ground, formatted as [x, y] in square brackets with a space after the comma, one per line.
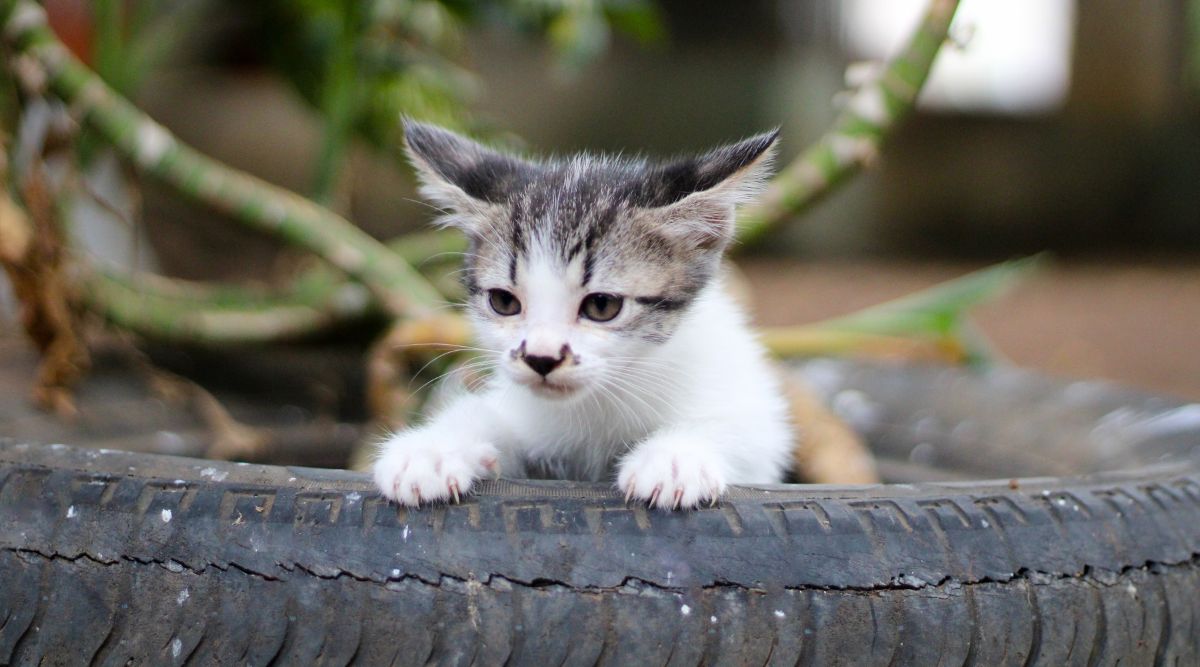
[1134, 323]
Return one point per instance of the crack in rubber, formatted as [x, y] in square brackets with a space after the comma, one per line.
[1098, 577]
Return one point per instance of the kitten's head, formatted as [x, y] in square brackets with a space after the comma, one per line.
[578, 267]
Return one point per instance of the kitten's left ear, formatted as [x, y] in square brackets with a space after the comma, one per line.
[698, 196]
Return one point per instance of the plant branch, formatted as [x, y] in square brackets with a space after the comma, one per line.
[400, 289]
[171, 310]
[213, 314]
[870, 114]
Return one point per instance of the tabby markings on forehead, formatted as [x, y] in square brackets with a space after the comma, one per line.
[518, 241]
[595, 232]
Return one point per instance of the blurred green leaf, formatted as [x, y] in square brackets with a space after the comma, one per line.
[939, 309]
[364, 65]
[579, 36]
[939, 312]
[641, 21]
[132, 37]
[580, 31]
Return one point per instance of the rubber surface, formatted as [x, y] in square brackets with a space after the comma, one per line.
[108, 557]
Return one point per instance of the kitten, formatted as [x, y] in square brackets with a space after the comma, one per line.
[594, 286]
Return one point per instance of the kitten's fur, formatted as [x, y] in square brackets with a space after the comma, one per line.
[673, 394]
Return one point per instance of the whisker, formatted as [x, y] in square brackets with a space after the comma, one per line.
[473, 365]
[631, 390]
[436, 209]
[444, 253]
[622, 391]
[628, 416]
[453, 347]
[650, 381]
[432, 361]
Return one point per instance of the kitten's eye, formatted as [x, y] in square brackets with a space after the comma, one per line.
[601, 307]
[504, 302]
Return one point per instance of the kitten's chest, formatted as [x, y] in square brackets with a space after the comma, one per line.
[584, 441]
[570, 468]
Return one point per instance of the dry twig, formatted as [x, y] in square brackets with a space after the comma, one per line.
[33, 255]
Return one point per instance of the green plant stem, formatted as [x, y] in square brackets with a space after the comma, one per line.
[334, 141]
[170, 311]
[212, 314]
[258, 204]
[854, 141]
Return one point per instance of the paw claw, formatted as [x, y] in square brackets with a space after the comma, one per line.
[654, 495]
[678, 499]
[454, 490]
[629, 490]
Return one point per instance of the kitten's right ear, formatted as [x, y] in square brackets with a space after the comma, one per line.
[696, 197]
[459, 174]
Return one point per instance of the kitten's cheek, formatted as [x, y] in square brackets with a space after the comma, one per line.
[518, 372]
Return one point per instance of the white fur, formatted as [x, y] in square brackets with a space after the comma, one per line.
[676, 422]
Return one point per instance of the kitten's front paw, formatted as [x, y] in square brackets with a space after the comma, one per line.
[667, 473]
[423, 467]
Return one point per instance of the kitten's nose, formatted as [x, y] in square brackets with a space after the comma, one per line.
[542, 364]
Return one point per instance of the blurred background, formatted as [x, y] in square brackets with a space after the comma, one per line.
[1054, 125]
[1048, 125]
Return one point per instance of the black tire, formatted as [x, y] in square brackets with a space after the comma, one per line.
[109, 557]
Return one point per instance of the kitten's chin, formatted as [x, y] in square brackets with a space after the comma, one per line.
[552, 390]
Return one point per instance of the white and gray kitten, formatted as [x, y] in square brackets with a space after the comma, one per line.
[594, 285]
